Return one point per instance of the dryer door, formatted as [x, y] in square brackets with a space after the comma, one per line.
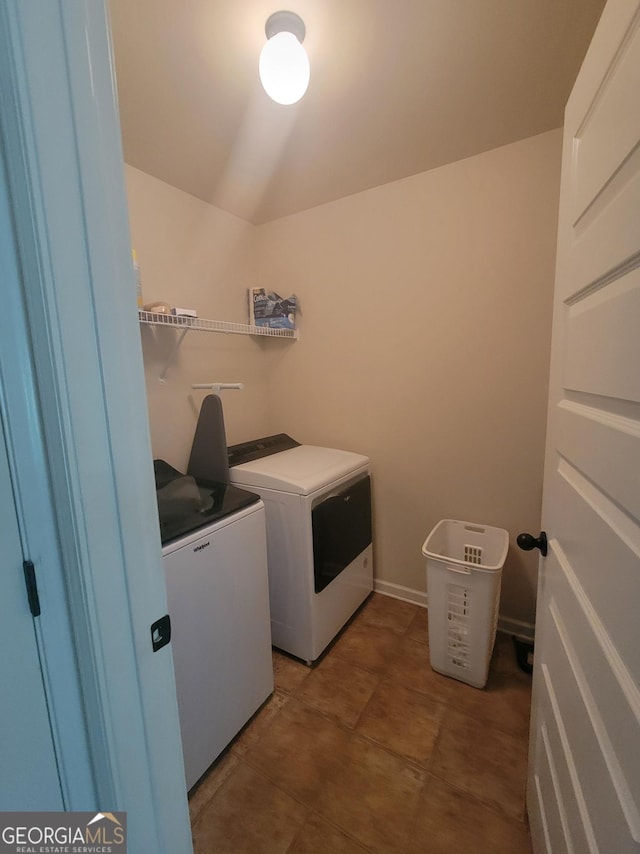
[341, 530]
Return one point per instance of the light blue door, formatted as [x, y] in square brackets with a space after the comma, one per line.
[76, 428]
[28, 771]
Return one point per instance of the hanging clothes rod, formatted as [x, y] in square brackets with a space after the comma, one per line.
[217, 387]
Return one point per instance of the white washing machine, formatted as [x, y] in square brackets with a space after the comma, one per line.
[319, 533]
[215, 562]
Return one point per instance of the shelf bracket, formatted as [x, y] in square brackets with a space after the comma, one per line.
[172, 354]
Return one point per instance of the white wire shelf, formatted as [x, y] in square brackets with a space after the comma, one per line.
[199, 324]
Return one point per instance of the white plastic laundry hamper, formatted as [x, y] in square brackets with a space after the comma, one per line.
[464, 573]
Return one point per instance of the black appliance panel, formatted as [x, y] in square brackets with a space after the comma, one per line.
[256, 449]
[186, 503]
[341, 531]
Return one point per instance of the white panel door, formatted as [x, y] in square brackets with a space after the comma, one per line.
[28, 770]
[584, 776]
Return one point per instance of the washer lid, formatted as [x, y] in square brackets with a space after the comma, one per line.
[301, 470]
[186, 503]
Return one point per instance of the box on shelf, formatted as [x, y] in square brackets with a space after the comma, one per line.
[267, 308]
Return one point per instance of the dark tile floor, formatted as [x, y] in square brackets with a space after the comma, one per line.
[371, 750]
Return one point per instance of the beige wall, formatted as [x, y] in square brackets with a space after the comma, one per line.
[424, 343]
[425, 331]
[196, 256]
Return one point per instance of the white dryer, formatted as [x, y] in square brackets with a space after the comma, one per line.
[319, 536]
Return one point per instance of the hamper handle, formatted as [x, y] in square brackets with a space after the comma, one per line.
[458, 570]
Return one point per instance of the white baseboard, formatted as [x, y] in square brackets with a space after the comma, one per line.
[520, 629]
[397, 591]
[508, 625]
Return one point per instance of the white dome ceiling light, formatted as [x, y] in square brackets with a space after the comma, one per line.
[284, 64]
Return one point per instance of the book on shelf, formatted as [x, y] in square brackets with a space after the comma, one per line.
[267, 308]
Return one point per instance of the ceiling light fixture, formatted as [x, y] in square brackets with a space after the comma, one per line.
[284, 64]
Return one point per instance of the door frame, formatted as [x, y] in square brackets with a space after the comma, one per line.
[77, 424]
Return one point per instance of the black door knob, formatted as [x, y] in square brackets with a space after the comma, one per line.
[527, 542]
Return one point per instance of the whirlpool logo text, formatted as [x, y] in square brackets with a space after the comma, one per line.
[202, 546]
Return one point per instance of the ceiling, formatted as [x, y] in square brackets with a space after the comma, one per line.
[397, 87]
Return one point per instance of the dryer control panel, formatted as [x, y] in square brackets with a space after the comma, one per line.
[256, 449]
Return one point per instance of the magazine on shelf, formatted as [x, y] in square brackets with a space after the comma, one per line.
[267, 308]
